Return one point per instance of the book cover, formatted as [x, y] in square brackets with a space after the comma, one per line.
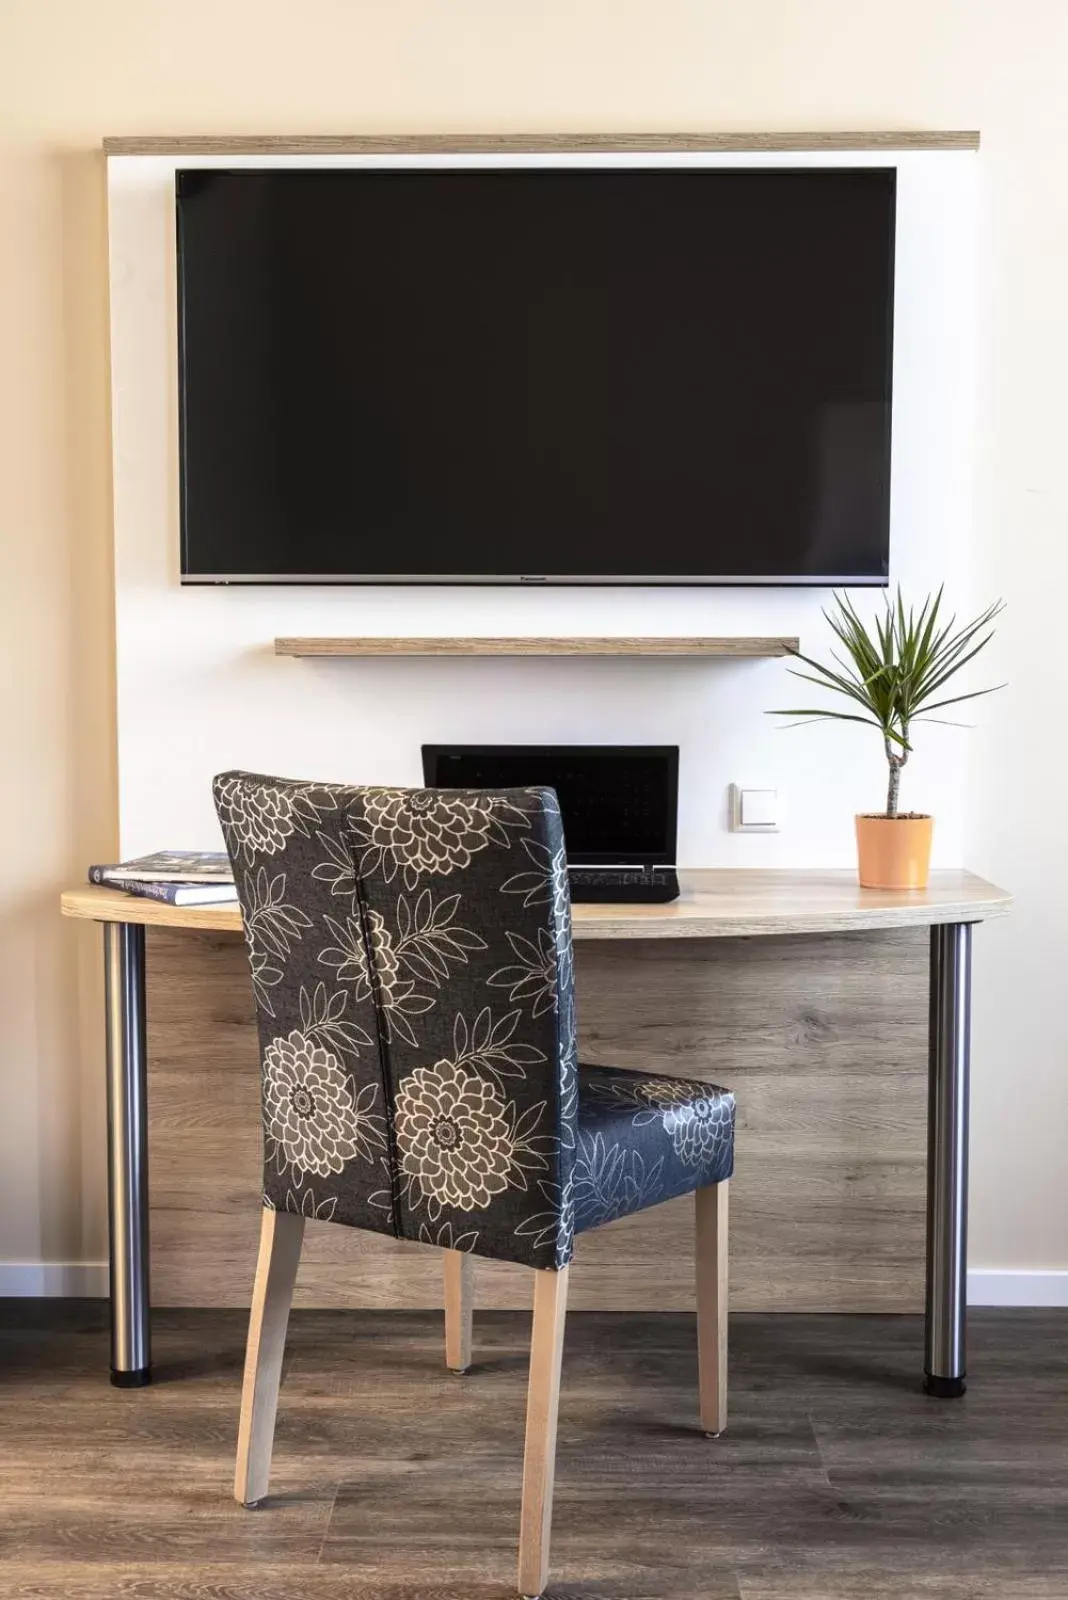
[179, 894]
[167, 866]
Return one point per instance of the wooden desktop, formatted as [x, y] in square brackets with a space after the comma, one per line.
[842, 1025]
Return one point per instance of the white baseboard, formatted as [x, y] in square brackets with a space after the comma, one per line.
[89, 1280]
[996, 1287]
[38, 1280]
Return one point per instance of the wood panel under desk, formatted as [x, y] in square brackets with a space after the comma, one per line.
[823, 1038]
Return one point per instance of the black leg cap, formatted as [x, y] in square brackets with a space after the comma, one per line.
[944, 1388]
[133, 1378]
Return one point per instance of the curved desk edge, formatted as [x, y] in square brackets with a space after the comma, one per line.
[714, 904]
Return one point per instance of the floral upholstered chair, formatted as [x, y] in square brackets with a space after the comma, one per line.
[412, 966]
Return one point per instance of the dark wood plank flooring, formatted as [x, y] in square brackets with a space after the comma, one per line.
[393, 1480]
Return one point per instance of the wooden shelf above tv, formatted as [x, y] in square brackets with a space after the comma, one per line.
[392, 144]
[635, 645]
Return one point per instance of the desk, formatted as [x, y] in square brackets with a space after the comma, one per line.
[713, 905]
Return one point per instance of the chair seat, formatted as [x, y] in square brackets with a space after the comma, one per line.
[643, 1138]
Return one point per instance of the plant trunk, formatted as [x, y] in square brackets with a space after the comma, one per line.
[896, 761]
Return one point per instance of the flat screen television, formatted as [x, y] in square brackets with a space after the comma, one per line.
[670, 375]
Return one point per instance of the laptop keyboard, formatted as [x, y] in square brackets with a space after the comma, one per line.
[623, 883]
[611, 877]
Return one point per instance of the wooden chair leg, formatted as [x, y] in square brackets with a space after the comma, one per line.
[459, 1308]
[281, 1236]
[543, 1405]
[710, 1254]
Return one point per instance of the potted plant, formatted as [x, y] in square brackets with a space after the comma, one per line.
[894, 674]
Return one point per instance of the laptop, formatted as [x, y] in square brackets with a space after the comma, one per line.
[619, 806]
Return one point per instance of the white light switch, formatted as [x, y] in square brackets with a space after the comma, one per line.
[760, 808]
[754, 810]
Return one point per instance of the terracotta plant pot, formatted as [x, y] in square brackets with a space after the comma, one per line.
[894, 852]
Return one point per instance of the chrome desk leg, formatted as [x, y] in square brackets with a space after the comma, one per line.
[947, 1158]
[124, 1005]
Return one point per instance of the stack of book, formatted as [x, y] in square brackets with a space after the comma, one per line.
[179, 877]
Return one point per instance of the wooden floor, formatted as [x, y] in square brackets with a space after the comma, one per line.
[396, 1481]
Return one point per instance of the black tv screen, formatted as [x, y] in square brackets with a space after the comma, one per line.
[521, 374]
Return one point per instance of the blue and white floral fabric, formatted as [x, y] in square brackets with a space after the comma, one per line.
[643, 1138]
[412, 966]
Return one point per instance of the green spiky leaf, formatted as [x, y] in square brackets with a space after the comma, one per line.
[893, 670]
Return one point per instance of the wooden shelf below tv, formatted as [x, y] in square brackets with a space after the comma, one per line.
[639, 645]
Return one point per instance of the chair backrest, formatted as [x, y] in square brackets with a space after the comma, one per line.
[412, 968]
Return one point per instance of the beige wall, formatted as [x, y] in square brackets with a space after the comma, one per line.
[72, 71]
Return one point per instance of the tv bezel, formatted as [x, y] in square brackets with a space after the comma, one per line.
[881, 580]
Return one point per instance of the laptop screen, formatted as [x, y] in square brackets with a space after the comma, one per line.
[618, 803]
